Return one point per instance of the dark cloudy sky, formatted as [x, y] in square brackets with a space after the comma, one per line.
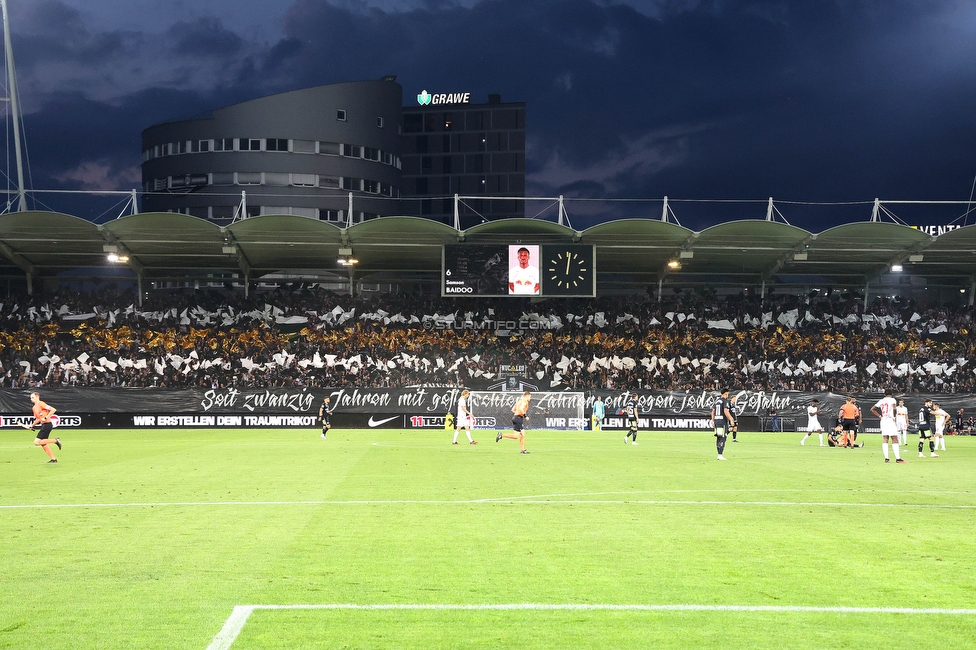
[814, 101]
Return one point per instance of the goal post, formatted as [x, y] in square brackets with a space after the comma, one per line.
[556, 410]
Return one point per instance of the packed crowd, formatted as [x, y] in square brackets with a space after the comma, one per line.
[306, 336]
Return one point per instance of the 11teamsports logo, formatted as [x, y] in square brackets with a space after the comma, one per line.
[437, 422]
[56, 420]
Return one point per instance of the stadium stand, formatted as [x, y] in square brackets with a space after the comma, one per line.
[303, 335]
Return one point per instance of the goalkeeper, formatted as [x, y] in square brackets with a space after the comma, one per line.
[598, 415]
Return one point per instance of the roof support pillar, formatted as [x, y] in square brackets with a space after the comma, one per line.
[867, 287]
[769, 210]
[660, 288]
[562, 212]
[352, 282]
[349, 212]
[135, 203]
[664, 210]
[457, 213]
[139, 286]
[14, 98]
[30, 284]
[762, 291]
[972, 291]
[876, 211]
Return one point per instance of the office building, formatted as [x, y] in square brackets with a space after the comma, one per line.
[313, 152]
[477, 151]
[301, 152]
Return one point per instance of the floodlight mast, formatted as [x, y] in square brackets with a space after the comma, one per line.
[14, 107]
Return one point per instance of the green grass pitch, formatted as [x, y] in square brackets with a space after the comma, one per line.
[150, 539]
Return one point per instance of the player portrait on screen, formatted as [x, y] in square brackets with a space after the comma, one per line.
[523, 270]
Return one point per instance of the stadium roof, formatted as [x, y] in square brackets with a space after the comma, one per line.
[169, 246]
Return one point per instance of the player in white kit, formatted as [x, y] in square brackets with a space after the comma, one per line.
[813, 422]
[885, 409]
[465, 420]
[901, 421]
[941, 417]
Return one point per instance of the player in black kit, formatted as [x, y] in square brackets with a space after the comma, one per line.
[925, 429]
[325, 412]
[734, 423]
[721, 420]
[632, 419]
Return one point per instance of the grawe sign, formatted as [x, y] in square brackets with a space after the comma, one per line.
[427, 99]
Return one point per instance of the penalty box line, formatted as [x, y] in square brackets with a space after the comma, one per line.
[238, 619]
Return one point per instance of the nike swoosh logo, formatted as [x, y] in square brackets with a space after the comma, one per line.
[376, 423]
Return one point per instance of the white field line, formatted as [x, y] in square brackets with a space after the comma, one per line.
[491, 501]
[238, 618]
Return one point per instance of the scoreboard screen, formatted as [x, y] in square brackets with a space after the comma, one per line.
[496, 270]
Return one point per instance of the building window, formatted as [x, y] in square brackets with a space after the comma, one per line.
[448, 121]
[373, 187]
[330, 182]
[277, 179]
[276, 144]
[250, 144]
[355, 184]
[379, 122]
[371, 153]
[224, 144]
[341, 115]
[304, 180]
[225, 178]
[474, 121]
[413, 123]
[330, 148]
[303, 146]
[248, 178]
[425, 163]
[203, 145]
